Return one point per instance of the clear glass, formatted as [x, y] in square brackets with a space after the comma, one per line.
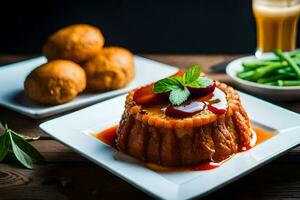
[276, 24]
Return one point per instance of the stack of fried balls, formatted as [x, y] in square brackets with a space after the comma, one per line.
[78, 60]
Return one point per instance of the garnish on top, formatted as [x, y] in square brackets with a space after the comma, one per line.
[175, 89]
[181, 87]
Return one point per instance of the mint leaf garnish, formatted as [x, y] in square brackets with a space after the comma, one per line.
[178, 85]
[201, 82]
[15, 147]
[166, 85]
[178, 96]
[191, 74]
[179, 79]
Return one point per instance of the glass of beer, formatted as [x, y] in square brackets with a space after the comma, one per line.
[276, 24]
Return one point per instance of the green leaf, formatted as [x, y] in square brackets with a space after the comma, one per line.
[179, 79]
[22, 157]
[4, 145]
[191, 74]
[178, 96]
[28, 148]
[166, 85]
[15, 147]
[11, 157]
[201, 82]
[176, 85]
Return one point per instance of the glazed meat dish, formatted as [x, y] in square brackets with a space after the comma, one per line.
[162, 134]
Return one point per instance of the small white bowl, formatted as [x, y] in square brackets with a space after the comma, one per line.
[277, 93]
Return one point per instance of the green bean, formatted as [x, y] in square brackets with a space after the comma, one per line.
[282, 71]
[285, 70]
[280, 83]
[289, 60]
[245, 74]
[274, 78]
[283, 83]
[258, 63]
[289, 74]
[260, 72]
[291, 82]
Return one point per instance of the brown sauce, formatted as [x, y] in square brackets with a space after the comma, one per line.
[108, 137]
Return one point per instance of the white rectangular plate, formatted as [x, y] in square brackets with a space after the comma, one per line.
[12, 79]
[72, 130]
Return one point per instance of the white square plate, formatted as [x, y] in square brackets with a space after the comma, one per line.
[12, 79]
[72, 130]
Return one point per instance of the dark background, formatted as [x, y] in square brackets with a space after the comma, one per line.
[203, 26]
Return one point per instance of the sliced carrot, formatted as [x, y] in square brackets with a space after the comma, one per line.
[145, 95]
[179, 73]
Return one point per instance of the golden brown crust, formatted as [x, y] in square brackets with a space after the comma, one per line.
[76, 42]
[56, 82]
[112, 68]
[188, 141]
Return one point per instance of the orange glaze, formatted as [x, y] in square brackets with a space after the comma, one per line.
[107, 136]
[259, 135]
[262, 135]
[200, 167]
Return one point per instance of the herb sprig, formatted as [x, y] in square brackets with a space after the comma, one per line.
[16, 148]
[178, 85]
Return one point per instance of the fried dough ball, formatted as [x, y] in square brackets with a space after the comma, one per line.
[112, 68]
[56, 82]
[76, 42]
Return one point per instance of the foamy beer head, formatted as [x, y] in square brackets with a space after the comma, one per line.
[276, 23]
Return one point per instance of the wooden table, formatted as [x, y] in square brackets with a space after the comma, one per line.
[67, 175]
